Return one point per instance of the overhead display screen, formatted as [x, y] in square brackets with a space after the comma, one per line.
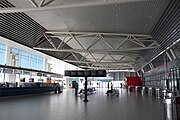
[73, 73]
[94, 73]
[67, 73]
[80, 73]
[85, 73]
[101, 73]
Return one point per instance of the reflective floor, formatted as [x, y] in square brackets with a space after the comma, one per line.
[65, 106]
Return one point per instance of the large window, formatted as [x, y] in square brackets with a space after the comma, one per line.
[33, 62]
[24, 59]
[27, 60]
[16, 52]
[2, 53]
[40, 63]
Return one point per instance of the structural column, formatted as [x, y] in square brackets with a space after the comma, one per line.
[85, 99]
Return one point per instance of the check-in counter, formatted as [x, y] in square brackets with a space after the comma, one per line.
[5, 92]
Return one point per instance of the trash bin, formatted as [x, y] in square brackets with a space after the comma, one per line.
[136, 88]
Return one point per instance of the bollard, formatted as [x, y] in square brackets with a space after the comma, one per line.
[164, 94]
[158, 92]
[136, 88]
[150, 91]
[144, 90]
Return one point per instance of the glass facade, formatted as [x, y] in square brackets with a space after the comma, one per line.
[169, 80]
[40, 63]
[2, 54]
[33, 62]
[27, 60]
[17, 56]
[24, 59]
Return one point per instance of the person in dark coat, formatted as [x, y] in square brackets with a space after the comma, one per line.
[76, 88]
[108, 85]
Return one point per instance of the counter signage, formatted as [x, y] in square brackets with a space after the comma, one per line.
[17, 71]
[45, 75]
[26, 73]
[39, 74]
[6, 70]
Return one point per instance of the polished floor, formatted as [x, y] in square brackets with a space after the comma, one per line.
[65, 106]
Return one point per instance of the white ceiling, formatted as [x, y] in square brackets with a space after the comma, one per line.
[125, 16]
[107, 16]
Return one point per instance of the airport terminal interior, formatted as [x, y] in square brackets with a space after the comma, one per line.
[89, 59]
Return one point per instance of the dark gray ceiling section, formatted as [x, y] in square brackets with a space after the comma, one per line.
[167, 30]
[19, 27]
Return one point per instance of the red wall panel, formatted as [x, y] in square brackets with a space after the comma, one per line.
[134, 81]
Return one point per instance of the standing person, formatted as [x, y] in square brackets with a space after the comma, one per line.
[111, 86]
[108, 85]
[76, 88]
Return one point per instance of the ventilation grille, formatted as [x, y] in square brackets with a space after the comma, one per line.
[19, 27]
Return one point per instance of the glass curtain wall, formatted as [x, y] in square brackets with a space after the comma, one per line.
[169, 80]
[27, 60]
[2, 59]
[2, 54]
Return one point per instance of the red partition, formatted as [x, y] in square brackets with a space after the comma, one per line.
[134, 81]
